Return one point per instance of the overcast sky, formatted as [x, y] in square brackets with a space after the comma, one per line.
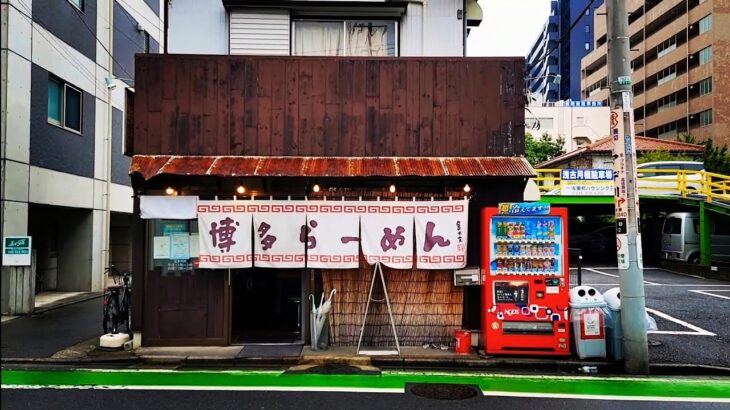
[509, 27]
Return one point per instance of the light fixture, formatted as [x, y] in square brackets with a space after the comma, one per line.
[109, 83]
[467, 188]
[315, 188]
[170, 191]
[241, 189]
[392, 188]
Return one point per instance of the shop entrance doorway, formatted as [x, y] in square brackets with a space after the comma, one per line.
[266, 306]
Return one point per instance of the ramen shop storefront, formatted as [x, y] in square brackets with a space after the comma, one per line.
[222, 266]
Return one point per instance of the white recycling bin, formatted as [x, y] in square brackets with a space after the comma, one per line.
[587, 311]
[614, 334]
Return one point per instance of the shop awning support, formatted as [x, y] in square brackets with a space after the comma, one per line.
[378, 270]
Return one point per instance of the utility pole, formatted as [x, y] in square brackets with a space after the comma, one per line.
[628, 235]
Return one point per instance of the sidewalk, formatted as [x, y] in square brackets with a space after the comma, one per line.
[337, 360]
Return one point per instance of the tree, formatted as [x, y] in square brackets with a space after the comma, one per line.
[715, 159]
[661, 155]
[543, 149]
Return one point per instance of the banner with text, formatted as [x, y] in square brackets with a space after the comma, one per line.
[387, 233]
[332, 235]
[441, 232]
[224, 235]
[277, 226]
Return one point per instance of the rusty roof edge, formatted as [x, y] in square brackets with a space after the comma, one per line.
[442, 161]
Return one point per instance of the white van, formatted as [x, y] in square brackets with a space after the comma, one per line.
[681, 239]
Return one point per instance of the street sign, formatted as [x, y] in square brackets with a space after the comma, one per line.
[16, 250]
[624, 80]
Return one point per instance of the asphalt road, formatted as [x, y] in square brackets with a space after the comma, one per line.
[47, 399]
[45, 334]
[676, 295]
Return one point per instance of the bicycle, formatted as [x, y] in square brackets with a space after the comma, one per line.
[117, 302]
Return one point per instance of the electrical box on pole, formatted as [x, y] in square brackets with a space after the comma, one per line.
[628, 234]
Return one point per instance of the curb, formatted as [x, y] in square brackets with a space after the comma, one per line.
[381, 362]
[67, 302]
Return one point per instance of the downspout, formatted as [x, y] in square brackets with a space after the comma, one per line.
[166, 24]
[463, 26]
[106, 259]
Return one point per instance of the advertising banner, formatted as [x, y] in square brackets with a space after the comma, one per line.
[387, 233]
[332, 235]
[277, 226]
[586, 182]
[224, 237]
[441, 232]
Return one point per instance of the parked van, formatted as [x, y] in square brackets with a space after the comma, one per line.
[681, 239]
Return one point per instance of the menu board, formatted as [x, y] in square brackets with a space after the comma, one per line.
[512, 292]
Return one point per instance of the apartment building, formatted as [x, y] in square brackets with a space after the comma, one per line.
[549, 57]
[67, 69]
[679, 57]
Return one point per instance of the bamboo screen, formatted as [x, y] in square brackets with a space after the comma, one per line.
[426, 306]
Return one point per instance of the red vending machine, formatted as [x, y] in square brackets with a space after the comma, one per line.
[525, 284]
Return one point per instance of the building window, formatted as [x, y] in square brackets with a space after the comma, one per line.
[667, 131]
[705, 118]
[667, 102]
[666, 47]
[706, 55]
[667, 74]
[588, 28]
[588, 11]
[79, 4]
[64, 105]
[588, 46]
[345, 38]
[146, 42]
[543, 123]
[706, 24]
[706, 86]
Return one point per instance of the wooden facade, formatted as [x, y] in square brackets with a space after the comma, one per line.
[321, 106]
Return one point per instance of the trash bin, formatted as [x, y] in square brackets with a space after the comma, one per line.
[589, 321]
[614, 334]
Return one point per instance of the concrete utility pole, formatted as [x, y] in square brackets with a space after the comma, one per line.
[628, 235]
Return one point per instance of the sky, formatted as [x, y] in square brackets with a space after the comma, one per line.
[509, 27]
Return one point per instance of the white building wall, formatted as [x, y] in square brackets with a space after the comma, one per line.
[577, 125]
[428, 28]
[24, 43]
[197, 27]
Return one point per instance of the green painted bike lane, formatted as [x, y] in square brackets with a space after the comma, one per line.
[389, 381]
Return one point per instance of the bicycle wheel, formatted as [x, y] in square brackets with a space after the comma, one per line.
[111, 314]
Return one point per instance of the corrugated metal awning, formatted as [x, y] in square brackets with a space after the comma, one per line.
[149, 166]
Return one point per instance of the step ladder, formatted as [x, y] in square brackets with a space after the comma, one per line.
[378, 271]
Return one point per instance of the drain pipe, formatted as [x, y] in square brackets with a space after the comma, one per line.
[106, 257]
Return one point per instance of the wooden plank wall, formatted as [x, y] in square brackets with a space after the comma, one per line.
[243, 105]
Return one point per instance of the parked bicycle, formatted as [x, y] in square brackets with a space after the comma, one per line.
[117, 302]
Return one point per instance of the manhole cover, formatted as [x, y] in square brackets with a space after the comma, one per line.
[444, 391]
[654, 343]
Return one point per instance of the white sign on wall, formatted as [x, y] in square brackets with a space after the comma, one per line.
[17, 250]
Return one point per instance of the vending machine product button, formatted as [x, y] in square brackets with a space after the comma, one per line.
[495, 326]
[539, 295]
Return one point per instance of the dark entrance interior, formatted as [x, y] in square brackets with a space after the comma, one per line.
[266, 306]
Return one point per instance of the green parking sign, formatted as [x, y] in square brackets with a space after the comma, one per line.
[16, 250]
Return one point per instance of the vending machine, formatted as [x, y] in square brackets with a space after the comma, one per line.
[525, 301]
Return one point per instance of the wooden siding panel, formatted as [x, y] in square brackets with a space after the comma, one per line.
[245, 105]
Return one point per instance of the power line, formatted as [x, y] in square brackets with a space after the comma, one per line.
[78, 14]
[64, 53]
[572, 26]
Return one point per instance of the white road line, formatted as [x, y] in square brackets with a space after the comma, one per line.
[689, 285]
[698, 331]
[601, 273]
[210, 388]
[707, 292]
[615, 276]
[365, 390]
[605, 397]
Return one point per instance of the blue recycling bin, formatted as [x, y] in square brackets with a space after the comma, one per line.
[614, 334]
